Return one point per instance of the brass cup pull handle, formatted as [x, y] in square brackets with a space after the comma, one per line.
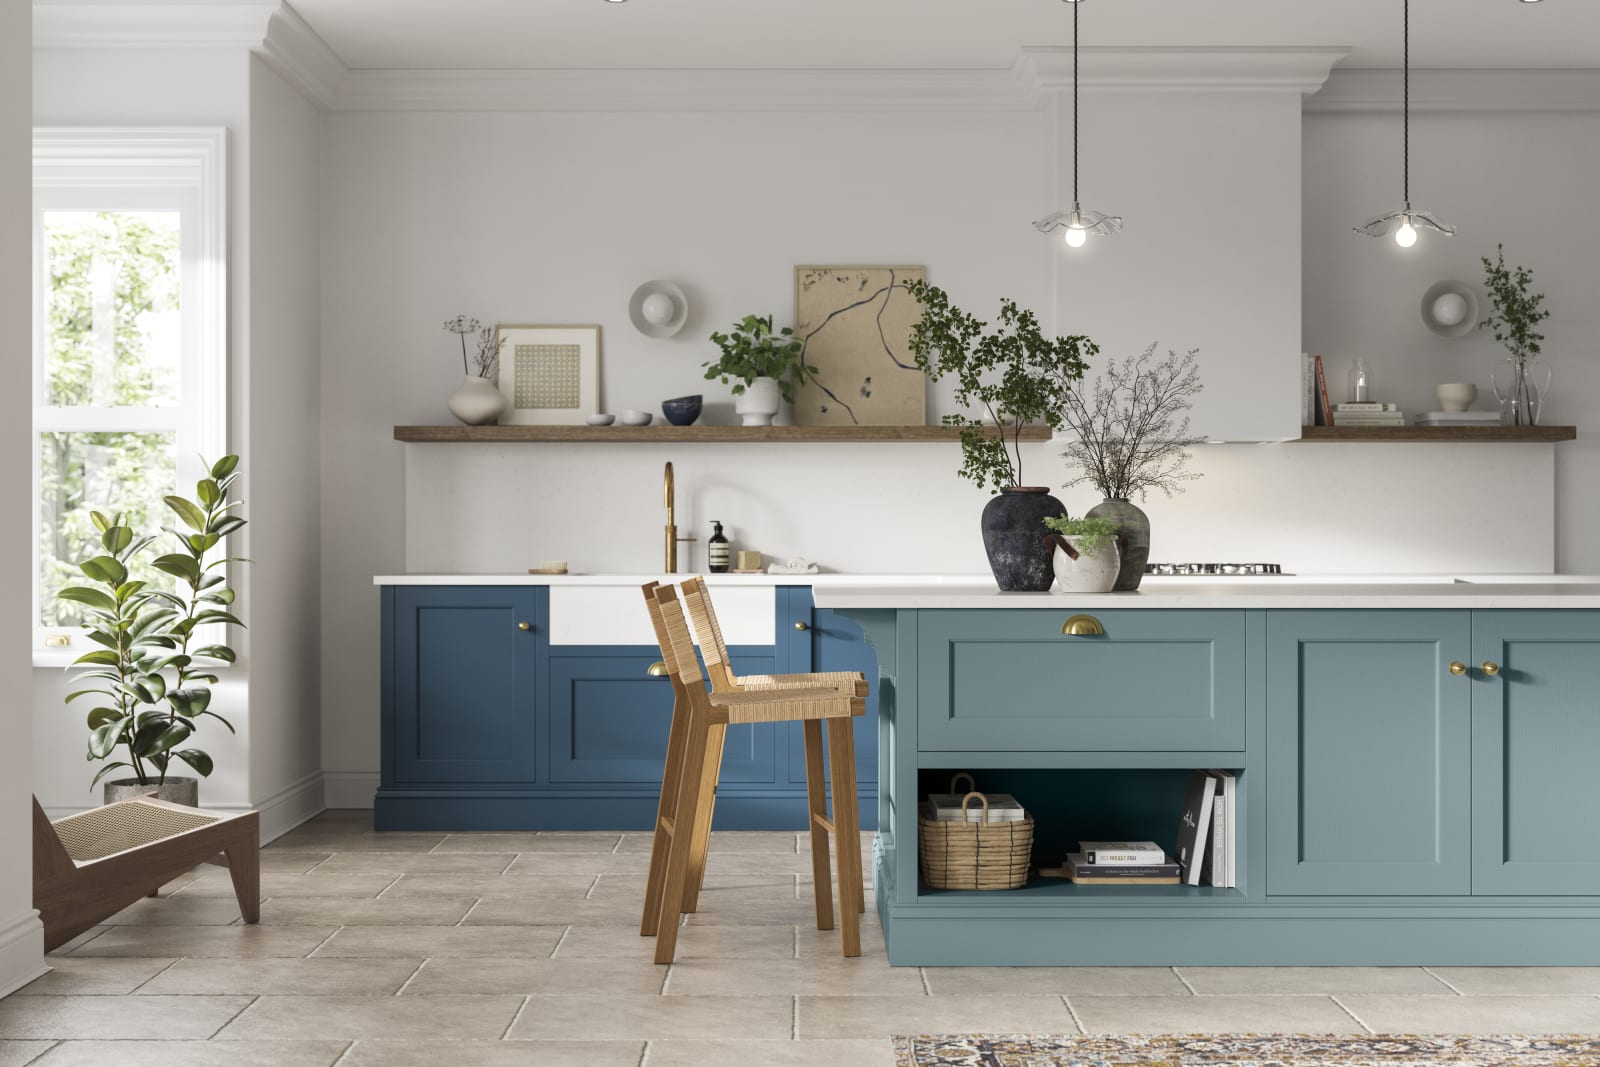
[802, 627]
[658, 669]
[1082, 626]
[524, 626]
[1491, 668]
[1458, 668]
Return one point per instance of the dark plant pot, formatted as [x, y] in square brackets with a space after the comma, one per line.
[1134, 525]
[682, 410]
[175, 791]
[1014, 537]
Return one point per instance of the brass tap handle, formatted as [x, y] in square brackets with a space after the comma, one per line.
[1458, 668]
[1491, 668]
[524, 626]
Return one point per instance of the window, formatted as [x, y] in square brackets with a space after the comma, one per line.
[130, 341]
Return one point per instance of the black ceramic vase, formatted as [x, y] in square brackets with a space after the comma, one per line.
[1133, 524]
[1014, 537]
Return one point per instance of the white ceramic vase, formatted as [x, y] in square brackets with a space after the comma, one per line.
[1086, 574]
[759, 402]
[478, 401]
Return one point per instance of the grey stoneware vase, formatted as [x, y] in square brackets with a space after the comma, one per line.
[1134, 525]
[1014, 538]
[175, 791]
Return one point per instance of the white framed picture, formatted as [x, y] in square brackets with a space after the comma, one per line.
[550, 375]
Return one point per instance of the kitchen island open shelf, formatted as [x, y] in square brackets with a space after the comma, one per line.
[1438, 434]
[635, 434]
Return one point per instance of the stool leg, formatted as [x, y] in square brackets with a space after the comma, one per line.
[688, 797]
[661, 843]
[701, 843]
[855, 820]
[844, 832]
[817, 805]
[244, 867]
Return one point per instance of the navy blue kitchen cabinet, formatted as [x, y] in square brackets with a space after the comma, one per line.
[487, 726]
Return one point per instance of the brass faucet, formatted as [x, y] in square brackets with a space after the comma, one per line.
[672, 523]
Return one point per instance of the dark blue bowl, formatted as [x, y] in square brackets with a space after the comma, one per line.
[682, 410]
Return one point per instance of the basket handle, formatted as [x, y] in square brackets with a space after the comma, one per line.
[954, 778]
[968, 800]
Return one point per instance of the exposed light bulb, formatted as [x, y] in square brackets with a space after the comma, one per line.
[1077, 236]
[1406, 235]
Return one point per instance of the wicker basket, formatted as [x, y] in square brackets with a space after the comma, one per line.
[974, 853]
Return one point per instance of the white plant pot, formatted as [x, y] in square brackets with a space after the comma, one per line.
[478, 401]
[759, 402]
[1086, 574]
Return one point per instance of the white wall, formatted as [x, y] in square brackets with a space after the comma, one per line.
[21, 936]
[1525, 180]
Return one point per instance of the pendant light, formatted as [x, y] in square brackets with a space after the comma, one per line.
[1078, 222]
[1405, 222]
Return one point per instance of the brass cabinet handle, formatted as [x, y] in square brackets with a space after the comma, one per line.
[1082, 626]
[524, 626]
[1458, 668]
[1491, 668]
[658, 669]
[802, 627]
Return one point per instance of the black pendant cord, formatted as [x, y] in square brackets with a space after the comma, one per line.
[1406, 79]
[1075, 104]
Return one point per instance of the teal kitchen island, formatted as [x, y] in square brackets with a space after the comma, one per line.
[1416, 765]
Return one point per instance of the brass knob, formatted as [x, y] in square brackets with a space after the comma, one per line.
[524, 626]
[1491, 668]
[1082, 626]
[802, 627]
[1458, 668]
[658, 669]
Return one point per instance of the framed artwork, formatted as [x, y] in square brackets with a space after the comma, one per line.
[549, 374]
[856, 323]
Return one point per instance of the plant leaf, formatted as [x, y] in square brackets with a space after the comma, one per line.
[224, 466]
[100, 655]
[177, 565]
[99, 717]
[208, 491]
[105, 738]
[92, 597]
[196, 759]
[107, 769]
[191, 515]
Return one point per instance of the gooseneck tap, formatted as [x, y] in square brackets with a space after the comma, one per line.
[671, 561]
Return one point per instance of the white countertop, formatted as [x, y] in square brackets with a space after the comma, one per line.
[819, 580]
[1284, 593]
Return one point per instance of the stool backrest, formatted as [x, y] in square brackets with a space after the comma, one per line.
[677, 647]
[715, 650]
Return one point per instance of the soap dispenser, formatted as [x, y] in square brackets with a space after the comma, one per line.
[718, 550]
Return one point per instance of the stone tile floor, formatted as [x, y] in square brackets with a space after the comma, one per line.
[400, 949]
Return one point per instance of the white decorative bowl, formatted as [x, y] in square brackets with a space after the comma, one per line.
[600, 420]
[636, 418]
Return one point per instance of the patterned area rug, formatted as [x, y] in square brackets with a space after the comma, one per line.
[1245, 1050]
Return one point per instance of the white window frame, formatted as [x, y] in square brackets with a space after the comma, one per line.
[139, 168]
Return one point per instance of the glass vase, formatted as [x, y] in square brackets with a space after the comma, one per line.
[1519, 386]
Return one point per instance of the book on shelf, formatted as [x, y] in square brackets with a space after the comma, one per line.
[1122, 852]
[1365, 405]
[1324, 413]
[1224, 828]
[1196, 825]
[1084, 873]
[1458, 418]
[946, 807]
[1308, 381]
[1370, 418]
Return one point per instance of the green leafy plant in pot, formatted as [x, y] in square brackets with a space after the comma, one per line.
[1522, 383]
[1017, 377]
[1086, 553]
[763, 366]
[149, 678]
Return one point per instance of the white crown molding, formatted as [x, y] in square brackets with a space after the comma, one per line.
[136, 25]
[1180, 70]
[298, 55]
[1358, 91]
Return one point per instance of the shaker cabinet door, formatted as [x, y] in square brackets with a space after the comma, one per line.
[1368, 753]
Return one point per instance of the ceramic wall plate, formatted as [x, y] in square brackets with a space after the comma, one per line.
[658, 309]
[1450, 309]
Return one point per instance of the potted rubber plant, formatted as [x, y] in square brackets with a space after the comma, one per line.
[1017, 377]
[763, 364]
[150, 681]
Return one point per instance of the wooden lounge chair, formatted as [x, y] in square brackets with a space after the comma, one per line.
[89, 866]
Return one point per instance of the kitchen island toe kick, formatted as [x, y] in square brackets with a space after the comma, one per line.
[1414, 767]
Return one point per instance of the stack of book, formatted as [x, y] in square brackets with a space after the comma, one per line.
[1207, 834]
[1368, 413]
[1121, 863]
[1458, 418]
[946, 807]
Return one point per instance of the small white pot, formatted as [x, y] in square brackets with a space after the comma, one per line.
[478, 401]
[1086, 574]
[759, 402]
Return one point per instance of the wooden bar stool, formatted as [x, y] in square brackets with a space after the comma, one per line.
[690, 775]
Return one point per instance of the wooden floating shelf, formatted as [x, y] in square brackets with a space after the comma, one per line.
[616, 434]
[1417, 434]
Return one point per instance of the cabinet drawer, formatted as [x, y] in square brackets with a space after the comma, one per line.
[1156, 681]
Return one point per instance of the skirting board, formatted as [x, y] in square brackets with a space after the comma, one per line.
[349, 789]
[21, 952]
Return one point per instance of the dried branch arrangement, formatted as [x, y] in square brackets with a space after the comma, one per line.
[1131, 431]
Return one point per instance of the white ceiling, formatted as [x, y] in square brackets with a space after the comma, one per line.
[542, 34]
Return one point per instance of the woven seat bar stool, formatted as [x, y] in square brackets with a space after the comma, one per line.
[690, 774]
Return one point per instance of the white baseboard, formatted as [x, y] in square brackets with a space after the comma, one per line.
[21, 952]
[290, 806]
[349, 789]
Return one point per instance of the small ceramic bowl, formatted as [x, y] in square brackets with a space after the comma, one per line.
[600, 420]
[636, 418]
[1456, 396]
[682, 410]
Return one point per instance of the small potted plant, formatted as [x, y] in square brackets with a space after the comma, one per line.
[764, 365]
[478, 400]
[1017, 377]
[1515, 321]
[149, 680]
[1085, 553]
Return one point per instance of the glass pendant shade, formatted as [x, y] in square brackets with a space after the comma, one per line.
[1078, 223]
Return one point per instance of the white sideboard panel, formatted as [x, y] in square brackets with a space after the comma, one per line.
[612, 615]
